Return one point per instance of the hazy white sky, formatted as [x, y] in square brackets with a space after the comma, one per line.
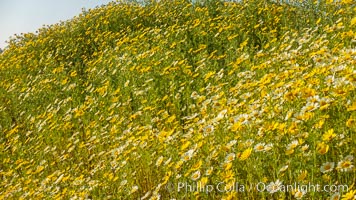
[21, 16]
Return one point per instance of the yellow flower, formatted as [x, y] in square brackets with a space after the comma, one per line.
[208, 75]
[227, 165]
[209, 171]
[203, 181]
[326, 177]
[197, 165]
[185, 145]
[350, 195]
[322, 148]
[353, 21]
[236, 126]
[352, 107]
[289, 151]
[346, 1]
[351, 123]
[179, 164]
[166, 177]
[245, 154]
[329, 1]
[329, 135]
[264, 179]
[302, 175]
[230, 196]
[320, 124]
[73, 73]
[227, 175]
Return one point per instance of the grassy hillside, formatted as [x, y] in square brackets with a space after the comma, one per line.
[175, 100]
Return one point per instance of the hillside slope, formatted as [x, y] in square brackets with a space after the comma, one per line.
[180, 100]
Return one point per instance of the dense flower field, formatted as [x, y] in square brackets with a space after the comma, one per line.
[180, 100]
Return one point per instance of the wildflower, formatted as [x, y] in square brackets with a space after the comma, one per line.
[309, 107]
[326, 177]
[167, 161]
[194, 95]
[283, 169]
[268, 147]
[345, 165]
[146, 195]
[288, 115]
[325, 103]
[179, 164]
[335, 196]
[134, 189]
[159, 161]
[242, 119]
[319, 124]
[227, 175]
[197, 165]
[245, 154]
[349, 157]
[127, 83]
[274, 186]
[249, 142]
[73, 73]
[329, 135]
[259, 147]
[166, 177]
[230, 195]
[188, 155]
[227, 165]
[350, 195]
[230, 157]
[59, 179]
[292, 145]
[322, 148]
[195, 176]
[353, 21]
[209, 171]
[305, 147]
[185, 145]
[220, 116]
[351, 123]
[327, 167]
[299, 194]
[231, 143]
[178, 176]
[155, 197]
[208, 129]
[313, 99]
[202, 182]
[289, 151]
[303, 175]
[123, 182]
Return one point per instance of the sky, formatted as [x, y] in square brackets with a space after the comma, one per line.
[22, 16]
